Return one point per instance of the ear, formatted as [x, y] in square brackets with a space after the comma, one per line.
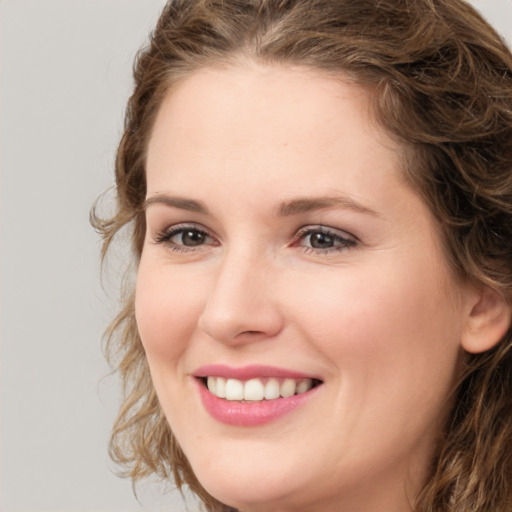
[488, 320]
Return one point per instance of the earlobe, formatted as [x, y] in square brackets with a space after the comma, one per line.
[488, 321]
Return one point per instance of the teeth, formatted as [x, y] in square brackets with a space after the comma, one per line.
[220, 387]
[255, 390]
[304, 385]
[272, 389]
[212, 385]
[234, 389]
[288, 388]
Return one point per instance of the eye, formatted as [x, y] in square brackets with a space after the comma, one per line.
[189, 237]
[184, 238]
[323, 240]
[320, 240]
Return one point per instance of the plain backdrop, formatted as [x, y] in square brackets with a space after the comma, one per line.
[65, 76]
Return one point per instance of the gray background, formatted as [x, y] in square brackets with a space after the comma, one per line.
[65, 75]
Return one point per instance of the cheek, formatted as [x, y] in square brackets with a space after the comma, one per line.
[394, 326]
[166, 312]
[392, 340]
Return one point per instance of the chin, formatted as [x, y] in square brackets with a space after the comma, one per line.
[250, 486]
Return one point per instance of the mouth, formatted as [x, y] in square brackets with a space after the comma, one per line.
[257, 389]
[253, 395]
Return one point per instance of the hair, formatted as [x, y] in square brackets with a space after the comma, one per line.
[440, 80]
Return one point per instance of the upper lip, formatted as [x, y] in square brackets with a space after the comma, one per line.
[249, 372]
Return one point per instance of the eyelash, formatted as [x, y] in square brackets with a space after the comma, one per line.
[344, 243]
[165, 236]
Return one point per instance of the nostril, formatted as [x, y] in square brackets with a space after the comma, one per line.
[238, 320]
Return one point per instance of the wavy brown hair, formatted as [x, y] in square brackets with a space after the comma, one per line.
[440, 80]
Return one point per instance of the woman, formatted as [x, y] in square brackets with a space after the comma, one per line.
[320, 193]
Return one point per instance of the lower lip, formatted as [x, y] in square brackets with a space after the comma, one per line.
[250, 414]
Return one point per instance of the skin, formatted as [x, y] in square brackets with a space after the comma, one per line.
[379, 318]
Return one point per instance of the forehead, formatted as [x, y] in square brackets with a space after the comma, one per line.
[265, 117]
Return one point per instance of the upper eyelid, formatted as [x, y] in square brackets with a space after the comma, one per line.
[299, 233]
[180, 226]
[326, 229]
[345, 240]
[164, 235]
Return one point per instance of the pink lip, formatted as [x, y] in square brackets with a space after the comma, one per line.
[249, 372]
[249, 414]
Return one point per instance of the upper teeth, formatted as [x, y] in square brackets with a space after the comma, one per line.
[256, 389]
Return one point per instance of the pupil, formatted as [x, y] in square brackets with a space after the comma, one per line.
[321, 240]
[192, 238]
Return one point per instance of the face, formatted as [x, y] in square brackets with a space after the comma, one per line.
[301, 323]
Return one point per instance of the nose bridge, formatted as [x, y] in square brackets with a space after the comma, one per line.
[241, 305]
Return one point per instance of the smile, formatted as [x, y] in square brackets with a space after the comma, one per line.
[253, 395]
[258, 389]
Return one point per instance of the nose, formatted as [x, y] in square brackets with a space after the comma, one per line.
[242, 306]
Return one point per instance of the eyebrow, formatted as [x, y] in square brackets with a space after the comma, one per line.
[182, 203]
[284, 209]
[307, 204]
